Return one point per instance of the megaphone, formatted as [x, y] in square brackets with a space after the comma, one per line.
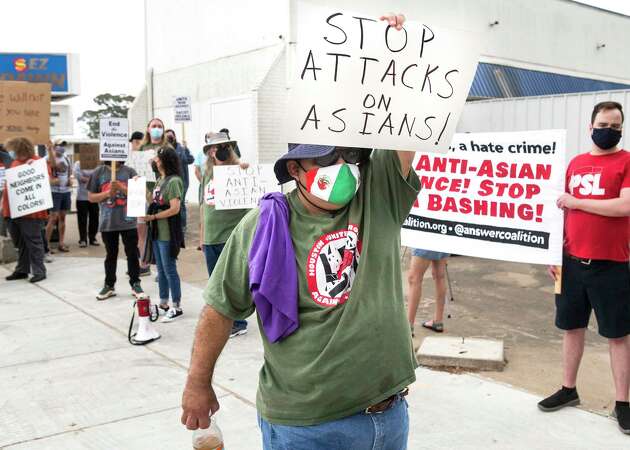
[147, 313]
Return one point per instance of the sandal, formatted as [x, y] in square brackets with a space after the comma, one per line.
[63, 249]
[438, 327]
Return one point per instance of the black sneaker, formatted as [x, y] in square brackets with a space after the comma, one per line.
[106, 292]
[171, 314]
[238, 330]
[17, 276]
[622, 413]
[564, 397]
[37, 278]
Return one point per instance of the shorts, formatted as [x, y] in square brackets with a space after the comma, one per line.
[429, 254]
[61, 201]
[602, 286]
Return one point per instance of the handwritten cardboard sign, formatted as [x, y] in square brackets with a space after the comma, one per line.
[114, 136]
[29, 188]
[88, 155]
[236, 188]
[493, 196]
[136, 197]
[358, 82]
[183, 112]
[140, 161]
[25, 111]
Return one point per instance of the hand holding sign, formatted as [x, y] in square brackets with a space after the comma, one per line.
[395, 20]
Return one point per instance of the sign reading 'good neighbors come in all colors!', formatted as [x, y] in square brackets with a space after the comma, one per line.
[29, 188]
[359, 82]
[493, 196]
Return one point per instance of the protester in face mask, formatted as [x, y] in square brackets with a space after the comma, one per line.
[115, 225]
[154, 138]
[87, 212]
[321, 268]
[595, 274]
[185, 159]
[165, 230]
[219, 224]
[61, 187]
[26, 230]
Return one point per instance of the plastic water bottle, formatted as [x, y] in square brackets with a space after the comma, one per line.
[209, 439]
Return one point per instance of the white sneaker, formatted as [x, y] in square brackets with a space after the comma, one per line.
[171, 315]
[48, 257]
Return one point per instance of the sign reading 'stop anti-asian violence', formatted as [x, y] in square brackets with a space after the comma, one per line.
[182, 107]
[114, 136]
[29, 188]
[493, 196]
[359, 82]
[237, 188]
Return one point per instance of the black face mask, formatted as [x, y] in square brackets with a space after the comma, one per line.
[222, 154]
[606, 138]
[171, 140]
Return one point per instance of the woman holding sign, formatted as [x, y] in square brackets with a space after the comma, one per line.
[26, 230]
[219, 224]
[165, 229]
[154, 138]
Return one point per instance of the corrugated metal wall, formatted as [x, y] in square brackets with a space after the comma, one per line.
[570, 111]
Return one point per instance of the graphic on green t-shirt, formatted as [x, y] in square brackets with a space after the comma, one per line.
[353, 346]
[167, 189]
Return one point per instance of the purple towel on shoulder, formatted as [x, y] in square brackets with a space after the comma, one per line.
[273, 278]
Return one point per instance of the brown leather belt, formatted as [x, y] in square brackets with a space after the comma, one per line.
[383, 406]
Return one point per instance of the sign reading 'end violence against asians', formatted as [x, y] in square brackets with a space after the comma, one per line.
[358, 82]
[493, 196]
[114, 136]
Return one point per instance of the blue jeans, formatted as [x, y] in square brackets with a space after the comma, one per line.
[168, 278]
[386, 431]
[212, 253]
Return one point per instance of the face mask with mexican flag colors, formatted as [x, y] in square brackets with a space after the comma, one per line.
[335, 184]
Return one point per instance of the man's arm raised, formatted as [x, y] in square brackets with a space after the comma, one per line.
[406, 158]
[199, 400]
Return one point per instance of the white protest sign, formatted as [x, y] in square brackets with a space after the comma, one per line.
[494, 196]
[29, 188]
[237, 188]
[136, 197]
[183, 112]
[358, 82]
[140, 161]
[114, 136]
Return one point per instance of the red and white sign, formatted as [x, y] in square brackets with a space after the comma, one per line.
[493, 196]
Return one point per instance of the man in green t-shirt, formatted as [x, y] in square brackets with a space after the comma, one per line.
[335, 374]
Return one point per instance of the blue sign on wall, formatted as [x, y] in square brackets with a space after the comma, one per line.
[36, 68]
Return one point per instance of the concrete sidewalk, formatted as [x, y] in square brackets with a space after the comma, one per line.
[71, 381]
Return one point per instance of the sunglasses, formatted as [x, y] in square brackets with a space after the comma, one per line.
[349, 155]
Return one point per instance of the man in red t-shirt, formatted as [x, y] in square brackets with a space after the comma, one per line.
[596, 274]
